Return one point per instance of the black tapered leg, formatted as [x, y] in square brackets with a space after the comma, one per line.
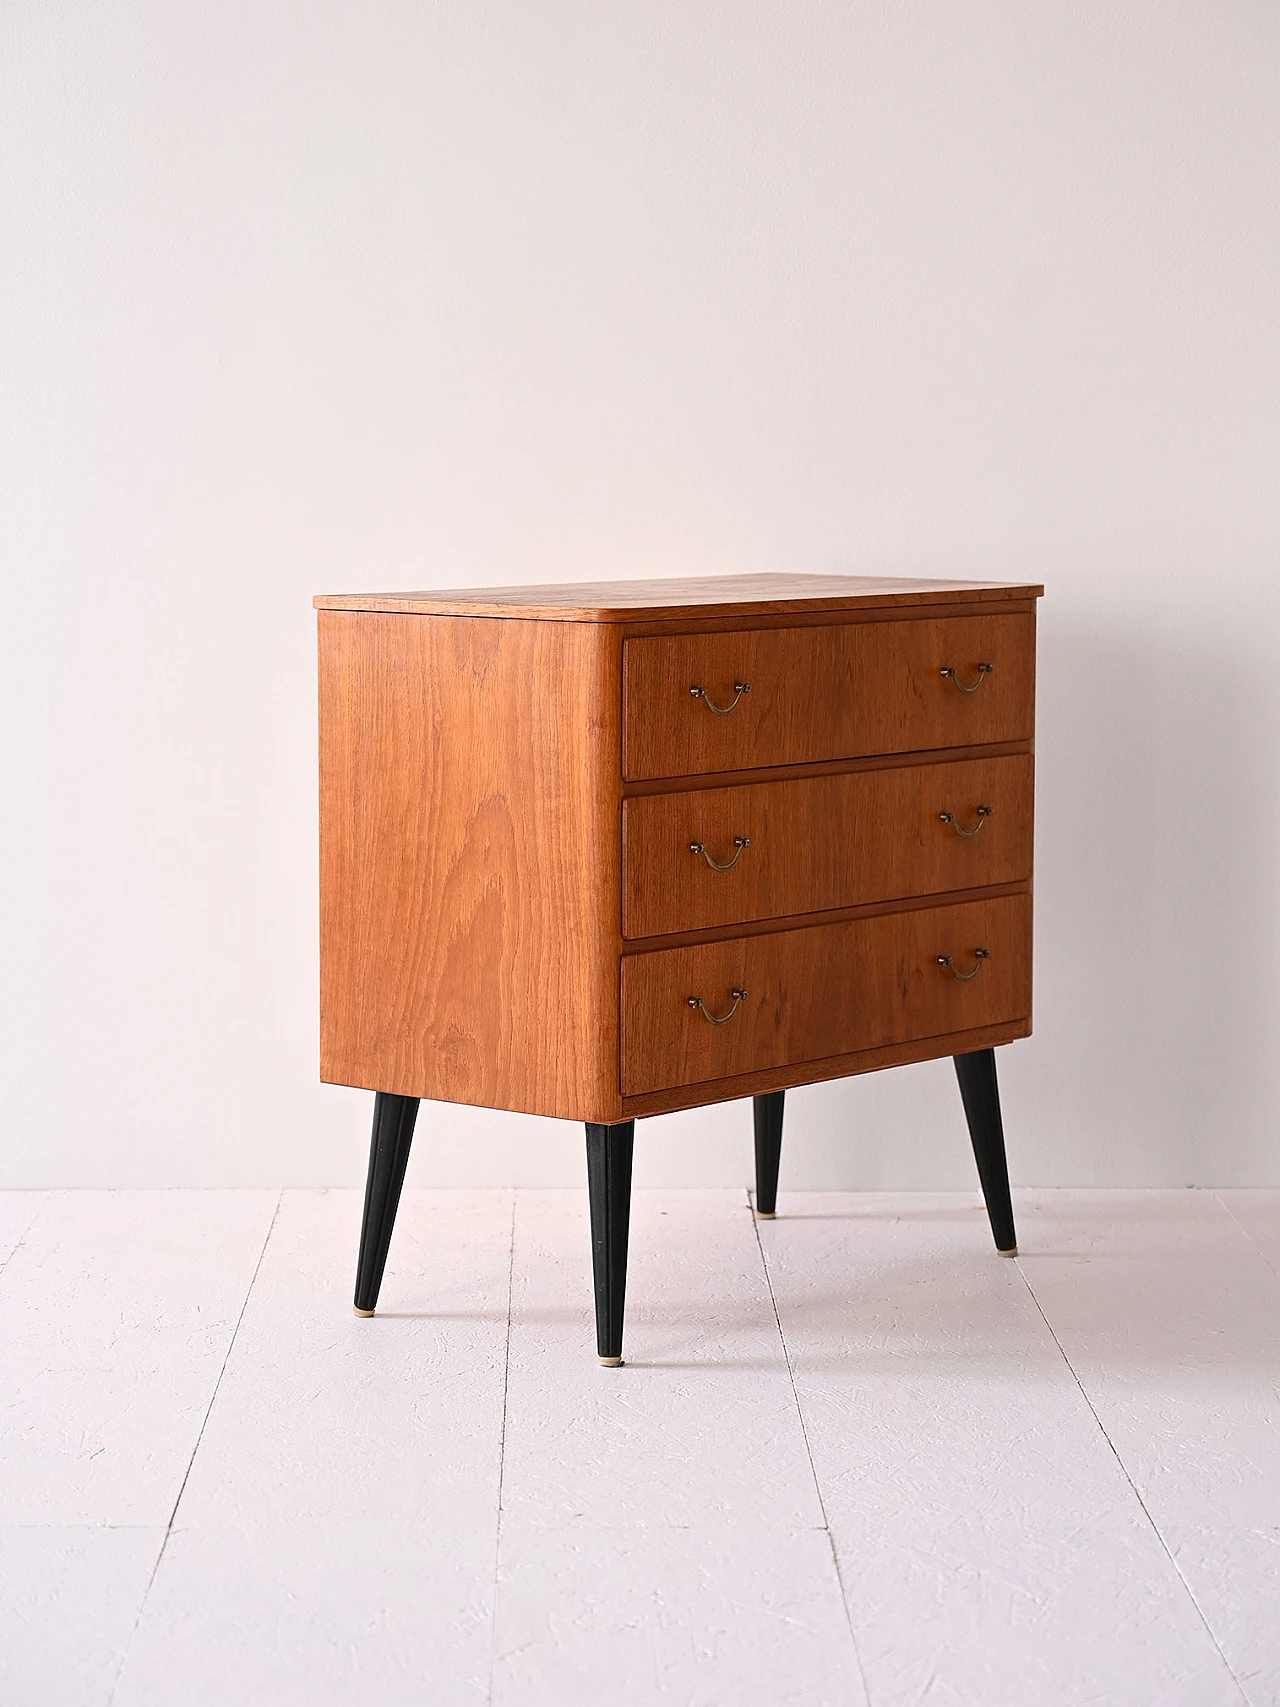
[981, 1097]
[768, 1118]
[393, 1118]
[609, 1151]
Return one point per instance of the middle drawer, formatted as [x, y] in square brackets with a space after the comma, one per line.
[815, 843]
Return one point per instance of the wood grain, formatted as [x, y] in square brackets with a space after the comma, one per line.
[830, 916]
[848, 1066]
[469, 873]
[804, 616]
[824, 991]
[727, 595]
[824, 692]
[822, 843]
[633, 787]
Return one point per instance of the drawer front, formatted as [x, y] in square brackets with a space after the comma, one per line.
[819, 842]
[822, 991]
[846, 690]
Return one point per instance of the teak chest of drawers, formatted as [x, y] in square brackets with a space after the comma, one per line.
[605, 851]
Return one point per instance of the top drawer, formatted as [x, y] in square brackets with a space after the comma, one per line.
[837, 691]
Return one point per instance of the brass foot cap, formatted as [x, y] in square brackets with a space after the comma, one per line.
[360, 1312]
[766, 1214]
[611, 1362]
[1011, 1252]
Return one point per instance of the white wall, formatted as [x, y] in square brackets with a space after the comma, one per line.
[321, 296]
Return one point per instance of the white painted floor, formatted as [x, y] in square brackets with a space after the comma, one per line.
[854, 1456]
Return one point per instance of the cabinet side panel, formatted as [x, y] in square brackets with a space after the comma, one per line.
[470, 797]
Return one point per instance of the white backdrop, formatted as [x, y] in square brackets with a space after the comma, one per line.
[321, 296]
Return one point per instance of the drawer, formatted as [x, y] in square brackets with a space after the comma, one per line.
[821, 991]
[845, 690]
[819, 842]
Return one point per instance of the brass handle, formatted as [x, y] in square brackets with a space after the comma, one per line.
[739, 688]
[739, 996]
[984, 670]
[954, 970]
[739, 842]
[984, 812]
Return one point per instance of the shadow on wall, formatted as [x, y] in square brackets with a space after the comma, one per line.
[1156, 876]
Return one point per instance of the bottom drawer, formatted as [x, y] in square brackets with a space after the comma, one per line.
[824, 990]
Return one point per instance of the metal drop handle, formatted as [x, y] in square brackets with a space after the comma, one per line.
[984, 670]
[984, 812]
[739, 688]
[739, 996]
[964, 977]
[739, 842]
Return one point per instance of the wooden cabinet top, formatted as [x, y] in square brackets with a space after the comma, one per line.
[726, 596]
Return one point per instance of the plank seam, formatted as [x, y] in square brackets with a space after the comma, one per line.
[1254, 1246]
[20, 1243]
[804, 1433]
[1124, 1471]
[502, 1456]
[204, 1423]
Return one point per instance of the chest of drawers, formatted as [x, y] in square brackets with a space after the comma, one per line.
[606, 851]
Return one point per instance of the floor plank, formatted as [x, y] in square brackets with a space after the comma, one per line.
[634, 1615]
[396, 1419]
[990, 1546]
[312, 1615]
[700, 1424]
[1171, 1319]
[360, 1523]
[69, 1600]
[117, 1311]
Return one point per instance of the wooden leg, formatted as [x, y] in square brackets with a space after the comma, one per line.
[768, 1118]
[393, 1118]
[981, 1097]
[609, 1150]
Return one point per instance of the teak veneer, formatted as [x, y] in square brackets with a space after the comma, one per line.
[824, 692]
[606, 851]
[810, 844]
